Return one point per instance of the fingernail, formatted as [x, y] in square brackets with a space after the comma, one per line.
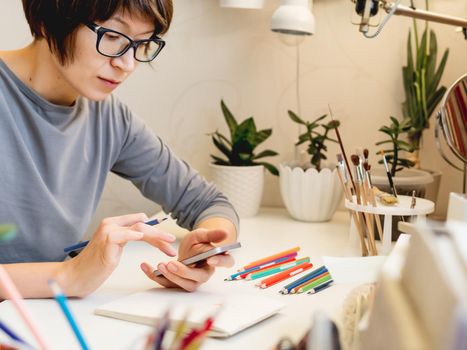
[172, 267]
[162, 268]
[144, 268]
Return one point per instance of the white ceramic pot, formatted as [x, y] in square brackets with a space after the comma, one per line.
[310, 195]
[242, 185]
[405, 181]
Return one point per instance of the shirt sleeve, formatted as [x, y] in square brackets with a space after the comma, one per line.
[169, 181]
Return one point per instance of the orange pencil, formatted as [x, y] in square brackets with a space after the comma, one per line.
[271, 258]
[286, 261]
[267, 282]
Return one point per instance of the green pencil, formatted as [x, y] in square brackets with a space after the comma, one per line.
[273, 270]
[314, 284]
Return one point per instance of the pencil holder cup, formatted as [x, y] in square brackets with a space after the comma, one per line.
[310, 195]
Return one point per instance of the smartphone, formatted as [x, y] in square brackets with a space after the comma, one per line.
[203, 256]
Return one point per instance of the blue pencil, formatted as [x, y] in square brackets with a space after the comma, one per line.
[321, 287]
[309, 276]
[12, 334]
[81, 245]
[63, 303]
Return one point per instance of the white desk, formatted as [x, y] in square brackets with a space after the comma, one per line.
[271, 231]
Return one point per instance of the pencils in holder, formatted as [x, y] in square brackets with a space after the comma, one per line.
[63, 303]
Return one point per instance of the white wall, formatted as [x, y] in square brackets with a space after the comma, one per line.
[215, 53]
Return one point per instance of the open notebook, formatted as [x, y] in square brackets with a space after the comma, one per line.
[235, 312]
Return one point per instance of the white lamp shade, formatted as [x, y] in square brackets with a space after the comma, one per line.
[293, 17]
[244, 4]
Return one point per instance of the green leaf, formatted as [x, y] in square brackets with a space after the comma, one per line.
[229, 118]
[296, 118]
[219, 161]
[271, 168]
[266, 153]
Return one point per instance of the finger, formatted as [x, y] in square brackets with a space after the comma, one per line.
[221, 260]
[124, 236]
[166, 248]
[187, 284]
[199, 274]
[209, 236]
[157, 238]
[149, 272]
[126, 220]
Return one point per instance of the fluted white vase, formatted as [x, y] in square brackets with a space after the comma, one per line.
[242, 185]
[310, 195]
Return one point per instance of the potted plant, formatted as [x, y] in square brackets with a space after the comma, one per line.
[405, 177]
[311, 191]
[239, 172]
[421, 77]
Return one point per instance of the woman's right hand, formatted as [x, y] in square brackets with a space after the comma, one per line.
[87, 271]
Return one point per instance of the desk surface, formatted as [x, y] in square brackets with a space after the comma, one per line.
[270, 231]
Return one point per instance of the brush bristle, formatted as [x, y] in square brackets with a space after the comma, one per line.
[355, 159]
[366, 166]
[339, 157]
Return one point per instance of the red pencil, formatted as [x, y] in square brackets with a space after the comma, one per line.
[267, 282]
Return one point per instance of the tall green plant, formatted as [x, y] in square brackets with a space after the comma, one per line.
[421, 78]
[316, 140]
[240, 148]
[397, 146]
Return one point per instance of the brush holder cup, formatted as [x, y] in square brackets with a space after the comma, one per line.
[402, 208]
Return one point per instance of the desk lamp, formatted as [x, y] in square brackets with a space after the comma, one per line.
[293, 17]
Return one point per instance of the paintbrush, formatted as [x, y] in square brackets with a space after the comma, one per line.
[339, 139]
[388, 173]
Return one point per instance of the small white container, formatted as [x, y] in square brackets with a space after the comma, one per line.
[242, 185]
[310, 195]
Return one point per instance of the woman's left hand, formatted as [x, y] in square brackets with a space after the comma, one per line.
[176, 274]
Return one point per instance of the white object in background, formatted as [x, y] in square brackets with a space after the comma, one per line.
[244, 4]
[310, 195]
[242, 185]
[293, 17]
[354, 270]
[422, 208]
[406, 179]
[457, 207]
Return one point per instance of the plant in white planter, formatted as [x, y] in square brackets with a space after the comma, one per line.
[311, 192]
[406, 179]
[239, 172]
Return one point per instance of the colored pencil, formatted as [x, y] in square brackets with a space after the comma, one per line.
[311, 280]
[314, 284]
[276, 269]
[13, 336]
[321, 287]
[271, 258]
[63, 303]
[81, 245]
[267, 267]
[268, 282]
[12, 293]
[287, 288]
[240, 274]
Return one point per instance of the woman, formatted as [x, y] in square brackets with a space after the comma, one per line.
[62, 131]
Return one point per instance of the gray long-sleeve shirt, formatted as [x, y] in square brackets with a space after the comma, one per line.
[55, 160]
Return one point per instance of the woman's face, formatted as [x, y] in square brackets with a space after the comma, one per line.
[93, 75]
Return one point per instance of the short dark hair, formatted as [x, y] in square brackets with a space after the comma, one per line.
[57, 20]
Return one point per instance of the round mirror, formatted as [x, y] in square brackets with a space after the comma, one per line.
[452, 120]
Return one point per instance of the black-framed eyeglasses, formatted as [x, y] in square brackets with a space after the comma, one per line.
[111, 43]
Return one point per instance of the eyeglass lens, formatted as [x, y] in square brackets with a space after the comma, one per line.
[114, 44]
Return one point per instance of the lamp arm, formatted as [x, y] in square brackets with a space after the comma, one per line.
[425, 15]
